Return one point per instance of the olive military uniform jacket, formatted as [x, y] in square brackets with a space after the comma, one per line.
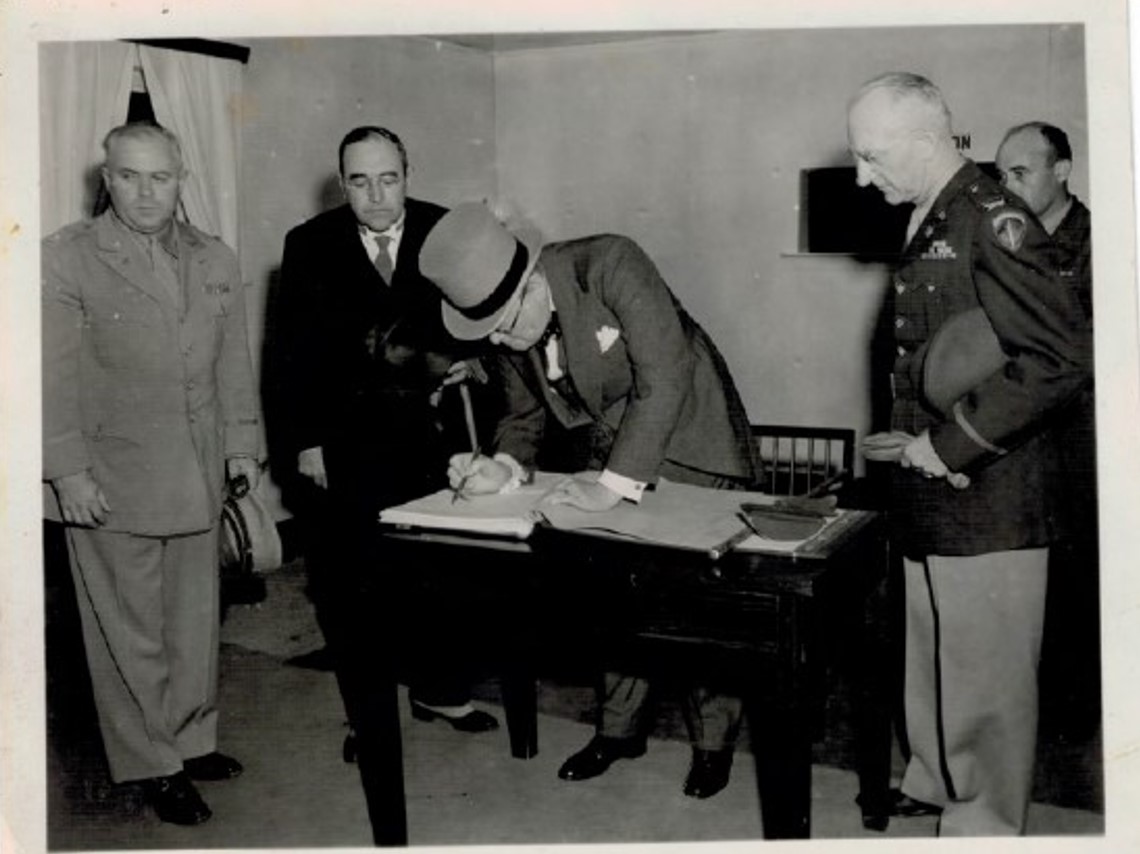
[979, 246]
[1073, 237]
[149, 390]
[1076, 434]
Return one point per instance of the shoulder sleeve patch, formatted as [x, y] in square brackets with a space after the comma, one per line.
[1009, 228]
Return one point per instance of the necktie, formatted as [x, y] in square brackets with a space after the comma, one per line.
[549, 347]
[164, 268]
[554, 365]
[382, 262]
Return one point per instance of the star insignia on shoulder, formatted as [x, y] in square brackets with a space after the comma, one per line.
[1009, 227]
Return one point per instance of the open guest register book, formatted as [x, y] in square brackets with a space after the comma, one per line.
[715, 521]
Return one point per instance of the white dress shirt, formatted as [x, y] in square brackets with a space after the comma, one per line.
[626, 487]
[394, 233]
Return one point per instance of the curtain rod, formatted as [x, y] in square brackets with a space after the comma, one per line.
[223, 50]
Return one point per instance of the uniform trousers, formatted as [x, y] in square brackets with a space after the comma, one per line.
[973, 641]
[149, 610]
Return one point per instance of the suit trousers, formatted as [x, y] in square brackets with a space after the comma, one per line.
[149, 610]
[973, 640]
[713, 719]
[356, 589]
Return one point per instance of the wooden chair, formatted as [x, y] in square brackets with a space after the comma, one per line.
[793, 460]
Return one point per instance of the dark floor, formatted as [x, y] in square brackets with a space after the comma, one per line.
[286, 724]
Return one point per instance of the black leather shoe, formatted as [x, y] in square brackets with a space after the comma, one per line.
[709, 772]
[212, 766]
[602, 751]
[175, 799]
[907, 807]
[877, 806]
[473, 721]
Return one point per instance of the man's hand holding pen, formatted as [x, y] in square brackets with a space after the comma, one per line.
[473, 473]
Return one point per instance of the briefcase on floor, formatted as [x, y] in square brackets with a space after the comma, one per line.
[249, 545]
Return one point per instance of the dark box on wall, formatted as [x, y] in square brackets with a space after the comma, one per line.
[838, 216]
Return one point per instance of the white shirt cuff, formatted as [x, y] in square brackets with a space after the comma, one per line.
[624, 486]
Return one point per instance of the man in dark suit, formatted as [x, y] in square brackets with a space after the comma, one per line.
[360, 354]
[971, 504]
[596, 345]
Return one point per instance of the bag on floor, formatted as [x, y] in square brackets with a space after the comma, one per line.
[249, 545]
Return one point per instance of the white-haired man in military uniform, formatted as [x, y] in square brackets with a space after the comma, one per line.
[970, 505]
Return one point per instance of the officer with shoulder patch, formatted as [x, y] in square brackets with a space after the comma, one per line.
[1035, 160]
[970, 503]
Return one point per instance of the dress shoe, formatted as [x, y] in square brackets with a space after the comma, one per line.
[175, 799]
[212, 766]
[709, 772]
[473, 721]
[907, 807]
[876, 808]
[600, 754]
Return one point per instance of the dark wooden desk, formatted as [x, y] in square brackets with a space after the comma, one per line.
[761, 625]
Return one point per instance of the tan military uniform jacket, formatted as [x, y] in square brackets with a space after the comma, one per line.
[149, 390]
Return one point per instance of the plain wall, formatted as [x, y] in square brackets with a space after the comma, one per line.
[301, 96]
[693, 145]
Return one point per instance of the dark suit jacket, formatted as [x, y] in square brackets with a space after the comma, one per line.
[980, 246]
[650, 379]
[355, 360]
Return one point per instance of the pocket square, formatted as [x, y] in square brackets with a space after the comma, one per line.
[607, 335]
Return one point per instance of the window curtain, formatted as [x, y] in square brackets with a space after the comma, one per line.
[198, 97]
[85, 90]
